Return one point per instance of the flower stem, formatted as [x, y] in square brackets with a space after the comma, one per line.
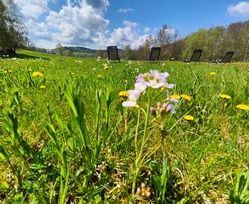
[138, 159]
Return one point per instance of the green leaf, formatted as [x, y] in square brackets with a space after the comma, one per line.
[4, 155]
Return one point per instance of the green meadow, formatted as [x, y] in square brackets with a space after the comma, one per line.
[66, 138]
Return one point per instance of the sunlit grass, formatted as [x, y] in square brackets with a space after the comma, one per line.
[65, 136]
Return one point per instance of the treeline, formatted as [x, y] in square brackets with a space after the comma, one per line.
[214, 42]
[12, 32]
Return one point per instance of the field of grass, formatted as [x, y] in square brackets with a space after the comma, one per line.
[65, 136]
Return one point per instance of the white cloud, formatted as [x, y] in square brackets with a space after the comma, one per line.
[32, 8]
[240, 9]
[125, 10]
[146, 29]
[130, 24]
[46, 44]
[122, 36]
[78, 23]
[100, 4]
[137, 42]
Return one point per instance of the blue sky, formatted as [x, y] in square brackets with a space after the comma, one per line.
[98, 23]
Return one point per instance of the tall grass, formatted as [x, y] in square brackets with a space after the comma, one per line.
[66, 138]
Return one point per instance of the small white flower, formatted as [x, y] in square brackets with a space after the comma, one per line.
[133, 97]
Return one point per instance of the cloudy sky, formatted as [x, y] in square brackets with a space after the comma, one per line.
[98, 23]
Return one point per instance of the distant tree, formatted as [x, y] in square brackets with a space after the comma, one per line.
[236, 38]
[100, 53]
[164, 36]
[12, 31]
[143, 50]
[215, 42]
[197, 40]
[175, 49]
[152, 41]
[244, 42]
[69, 53]
[59, 49]
[41, 50]
[128, 53]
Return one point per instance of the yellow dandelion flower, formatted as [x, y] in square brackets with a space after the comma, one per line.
[212, 73]
[42, 87]
[242, 107]
[225, 96]
[37, 74]
[186, 97]
[175, 96]
[123, 93]
[99, 76]
[10, 71]
[1, 70]
[125, 81]
[106, 67]
[162, 88]
[188, 117]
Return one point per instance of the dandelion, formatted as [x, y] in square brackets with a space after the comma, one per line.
[242, 107]
[99, 76]
[225, 96]
[42, 87]
[186, 97]
[123, 96]
[175, 96]
[188, 117]
[1, 70]
[37, 74]
[9, 71]
[123, 93]
[106, 67]
[212, 73]
[125, 81]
